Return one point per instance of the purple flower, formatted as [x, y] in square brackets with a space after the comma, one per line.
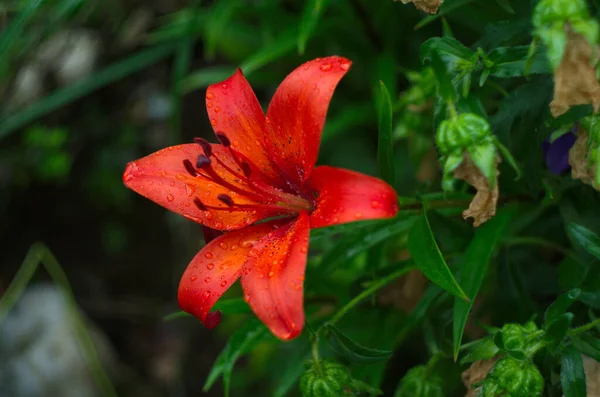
[556, 153]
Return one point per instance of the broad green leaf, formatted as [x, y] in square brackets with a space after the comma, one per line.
[481, 350]
[557, 331]
[353, 244]
[453, 54]
[284, 44]
[560, 306]
[385, 146]
[473, 269]
[244, 340]
[511, 62]
[351, 350]
[429, 259]
[586, 238]
[588, 345]
[310, 18]
[572, 374]
[85, 86]
[446, 89]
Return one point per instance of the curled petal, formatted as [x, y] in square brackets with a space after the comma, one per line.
[215, 268]
[234, 111]
[347, 196]
[297, 113]
[163, 178]
[273, 278]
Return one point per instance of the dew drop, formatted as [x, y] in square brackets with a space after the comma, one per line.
[210, 266]
[170, 197]
[246, 244]
[217, 109]
[345, 65]
[223, 283]
[375, 204]
[207, 294]
[207, 280]
[271, 274]
[209, 96]
[181, 177]
[193, 278]
[234, 247]
[303, 250]
[190, 190]
[128, 177]
[218, 225]
[209, 105]
[223, 245]
[358, 215]
[208, 255]
[325, 67]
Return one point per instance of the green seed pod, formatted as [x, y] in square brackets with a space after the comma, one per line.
[328, 379]
[462, 132]
[417, 383]
[513, 378]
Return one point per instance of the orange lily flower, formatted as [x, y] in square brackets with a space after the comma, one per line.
[263, 167]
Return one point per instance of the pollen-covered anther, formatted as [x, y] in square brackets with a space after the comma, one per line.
[205, 145]
[226, 200]
[202, 161]
[223, 139]
[190, 168]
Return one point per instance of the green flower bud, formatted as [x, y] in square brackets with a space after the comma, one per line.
[328, 379]
[417, 383]
[548, 12]
[513, 378]
[462, 132]
[513, 337]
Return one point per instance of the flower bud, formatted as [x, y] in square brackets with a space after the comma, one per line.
[513, 337]
[418, 383]
[327, 379]
[513, 378]
[462, 132]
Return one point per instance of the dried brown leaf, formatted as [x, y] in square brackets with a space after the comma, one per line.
[476, 373]
[483, 205]
[430, 6]
[580, 161]
[575, 81]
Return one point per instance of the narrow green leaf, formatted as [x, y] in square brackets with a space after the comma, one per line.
[586, 238]
[445, 86]
[482, 349]
[452, 52]
[557, 331]
[85, 86]
[588, 345]
[353, 244]
[560, 306]
[310, 18]
[473, 269]
[244, 340]
[512, 62]
[505, 4]
[17, 26]
[427, 256]
[385, 145]
[572, 374]
[176, 315]
[220, 17]
[284, 44]
[351, 350]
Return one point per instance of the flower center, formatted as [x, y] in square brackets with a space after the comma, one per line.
[245, 180]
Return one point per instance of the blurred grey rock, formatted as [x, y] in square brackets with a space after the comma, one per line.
[40, 352]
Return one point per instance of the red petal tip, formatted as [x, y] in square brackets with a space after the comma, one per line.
[129, 173]
[212, 319]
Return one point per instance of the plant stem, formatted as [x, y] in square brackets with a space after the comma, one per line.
[585, 327]
[366, 293]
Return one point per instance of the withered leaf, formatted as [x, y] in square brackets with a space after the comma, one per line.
[476, 373]
[575, 80]
[430, 6]
[581, 168]
[483, 205]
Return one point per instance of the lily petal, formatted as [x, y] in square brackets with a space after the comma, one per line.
[215, 268]
[297, 113]
[163, 178]
[273, 278]
[233, 110]
[346, 196]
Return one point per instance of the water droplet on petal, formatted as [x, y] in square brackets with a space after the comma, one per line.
[210, 266]
[303, 250]
[193, 278]
[344, 65]
[207, 280]
[325, 67]
[358, 215]
[271, 274]
[209, 96]
[217, 109]
[170, 197]
[223, 283]
[207, 294]
[208, 255]
[223, 245]
[375, 204]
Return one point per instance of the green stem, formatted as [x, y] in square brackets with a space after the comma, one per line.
[366, 293]
[584, 328]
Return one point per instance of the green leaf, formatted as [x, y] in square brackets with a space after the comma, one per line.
[484, 157]
[221, 15]
[446, 89]
[427, 256]
[473, 269]
[560, 306]
[557, 331]
[454, 55]
[353, 244]
[511, 62]
[514, 353]
[310, 18]
[586, 238]
[61, 97]
[588, 345]
[17, 26]
[351, 350]
[446, 8]
[482, 349]
[505, 6]
[572, 374]
[284, 44]
[243, 341]
[385, 146]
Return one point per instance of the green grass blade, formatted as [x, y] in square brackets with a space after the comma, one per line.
[310, 18]
[385, 150]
